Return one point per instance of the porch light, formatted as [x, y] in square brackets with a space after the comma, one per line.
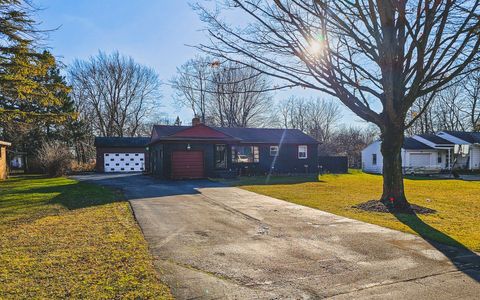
[189, 147]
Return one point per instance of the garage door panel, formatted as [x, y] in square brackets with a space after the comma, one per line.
[187, 164]
[124, 162]
[420, 159]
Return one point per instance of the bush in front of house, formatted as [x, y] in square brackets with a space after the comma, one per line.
[81, 167]
[55, 158]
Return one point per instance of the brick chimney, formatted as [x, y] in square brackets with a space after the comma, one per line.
[196, 121]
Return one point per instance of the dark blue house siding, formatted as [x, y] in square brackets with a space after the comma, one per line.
[287, 161]
[163, 165]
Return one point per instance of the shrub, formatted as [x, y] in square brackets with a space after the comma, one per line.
[55, 158]
[83, 167]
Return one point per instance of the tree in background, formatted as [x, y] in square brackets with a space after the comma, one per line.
[239, 96]
[316, 116]
[177, 122]
[349, 141]
[114, 94]
[456, 108]
[192, 83]
[376, 57]
[223, 94]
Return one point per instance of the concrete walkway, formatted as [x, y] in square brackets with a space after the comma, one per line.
[216, 242]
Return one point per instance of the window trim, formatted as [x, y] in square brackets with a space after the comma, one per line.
[306, 152]
[276, 151]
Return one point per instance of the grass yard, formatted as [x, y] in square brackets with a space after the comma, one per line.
[61, 239]
[457, 221]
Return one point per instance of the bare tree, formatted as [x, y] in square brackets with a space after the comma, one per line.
[223, 93]
[191, 84]
[472, 108]
[376, 57]
[114, 93]
[240, 96]
[349, 141]
[322, 116]
[316, 116]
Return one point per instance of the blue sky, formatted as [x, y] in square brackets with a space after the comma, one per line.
[154, 32]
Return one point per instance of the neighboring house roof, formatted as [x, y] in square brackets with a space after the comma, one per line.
[243, 135]
[132, 142]
[435, 139]
[471, 137]
[3, 143]
[413, 144]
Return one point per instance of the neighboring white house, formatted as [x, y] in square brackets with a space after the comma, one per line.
[417, 157]
[429, 153]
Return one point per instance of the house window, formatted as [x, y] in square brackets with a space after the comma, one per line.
[273, 150]
[245, 154]
[220, 156]
[439, 159]
[302, 152]
[374, 159]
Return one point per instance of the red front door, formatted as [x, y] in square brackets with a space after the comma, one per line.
[187, 164]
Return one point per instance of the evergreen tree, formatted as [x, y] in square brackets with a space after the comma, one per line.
[177, 122]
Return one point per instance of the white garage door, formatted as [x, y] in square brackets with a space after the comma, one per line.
[124, 162]
[420, 159]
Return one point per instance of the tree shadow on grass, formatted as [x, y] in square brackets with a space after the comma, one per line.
[465, 260]
[73, 195]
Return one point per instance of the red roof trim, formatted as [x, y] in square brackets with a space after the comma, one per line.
[200, 131]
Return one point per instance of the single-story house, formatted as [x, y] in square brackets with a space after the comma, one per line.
[430, 153]
[200, 151]
[3, 159]
[122, 154]
[466, 148]
[417, 157]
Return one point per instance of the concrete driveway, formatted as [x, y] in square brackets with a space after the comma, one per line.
[215, 242]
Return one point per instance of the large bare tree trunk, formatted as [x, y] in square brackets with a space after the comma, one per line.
[393, 189]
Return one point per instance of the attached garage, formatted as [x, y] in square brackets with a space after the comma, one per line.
[420, 159]
[121, 154]
[187, 165]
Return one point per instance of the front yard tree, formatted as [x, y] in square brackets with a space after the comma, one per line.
[376, 57]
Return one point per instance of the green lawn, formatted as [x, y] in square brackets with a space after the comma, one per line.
[61, 239]
[457, 221]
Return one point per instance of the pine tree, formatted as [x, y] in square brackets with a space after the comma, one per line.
[177, 122]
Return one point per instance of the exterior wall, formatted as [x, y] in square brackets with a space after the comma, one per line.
[374, 148]
[161, 154]
[367, 163]
[287, 161]
[102, 150]
[3, 162]
[475, 157]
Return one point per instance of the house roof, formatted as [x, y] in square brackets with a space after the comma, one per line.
[435, 139]
[413, 144]
[243, 135]
[471, 137]
[132, 142]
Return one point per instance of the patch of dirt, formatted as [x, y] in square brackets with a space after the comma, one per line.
[378, 206]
